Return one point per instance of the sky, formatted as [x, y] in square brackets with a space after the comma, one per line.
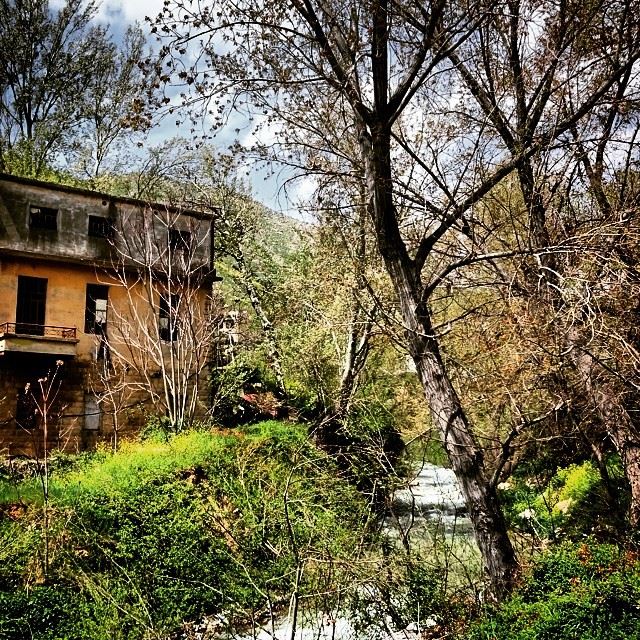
[118, 15]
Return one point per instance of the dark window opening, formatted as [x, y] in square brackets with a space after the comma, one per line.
[168, 317]
[101, 227]
[95, 312]
[43, 218]
[31, 306]
[179, 240]
[26, 410]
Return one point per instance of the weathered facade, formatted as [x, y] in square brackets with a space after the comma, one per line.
[86, 279]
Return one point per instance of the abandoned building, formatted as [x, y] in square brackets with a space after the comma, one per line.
[104, 313]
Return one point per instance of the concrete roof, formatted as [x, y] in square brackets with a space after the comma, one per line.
[105, 196]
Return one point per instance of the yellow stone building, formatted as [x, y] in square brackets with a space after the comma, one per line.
[109, 295]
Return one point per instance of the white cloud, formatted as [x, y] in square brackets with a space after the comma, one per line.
[129, 11]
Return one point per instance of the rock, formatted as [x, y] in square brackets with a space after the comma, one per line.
[564, 506]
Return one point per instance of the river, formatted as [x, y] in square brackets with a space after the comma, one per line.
[430, 507]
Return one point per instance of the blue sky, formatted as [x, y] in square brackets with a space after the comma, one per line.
[118, 14]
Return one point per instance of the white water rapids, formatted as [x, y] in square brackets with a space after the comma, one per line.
[432, 501]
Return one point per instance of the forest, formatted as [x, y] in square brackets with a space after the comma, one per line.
[458, 291]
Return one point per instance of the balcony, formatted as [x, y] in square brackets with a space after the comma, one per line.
[37, 338]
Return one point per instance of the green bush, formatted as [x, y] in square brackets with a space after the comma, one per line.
[167, 531]
[568, 505]
[575, 592]
[18, 547]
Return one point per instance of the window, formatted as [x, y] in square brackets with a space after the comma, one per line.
[31, 306]
[168, 320]
[92, 413]
[95, 312]
[26, 410]
[43, 218]
[179, 240]
[100, 227]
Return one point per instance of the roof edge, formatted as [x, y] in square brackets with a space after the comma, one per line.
[33, 182]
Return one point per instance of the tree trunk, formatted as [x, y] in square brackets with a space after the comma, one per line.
[465, 455]
[355, 357]
[612, 413]
[328, 433]
[627, 443]
[273, 351]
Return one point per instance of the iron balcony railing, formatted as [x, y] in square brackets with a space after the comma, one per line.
[46, 331]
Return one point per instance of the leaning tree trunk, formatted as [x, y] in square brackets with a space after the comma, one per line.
[329, 434]
[627, 443]
[465, 455]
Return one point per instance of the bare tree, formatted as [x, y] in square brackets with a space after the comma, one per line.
[371, 62]
[160, 329]
[531, 74]
[41, 397]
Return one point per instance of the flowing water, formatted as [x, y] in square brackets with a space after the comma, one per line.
[432, 500]
[430, 507]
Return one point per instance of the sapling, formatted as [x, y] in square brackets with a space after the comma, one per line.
[43, 398]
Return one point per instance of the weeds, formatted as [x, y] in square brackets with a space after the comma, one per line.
[160, 533]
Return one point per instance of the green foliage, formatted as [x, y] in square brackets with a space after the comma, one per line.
[428, 449]
[44, 612]
[424, 590]
[574, 592]
[165, 531]
[157, 429]
[19, 161]
[18, 547]
[152, 549]
[226, 385]
[373, 450]
[571, 502]
[137, 464]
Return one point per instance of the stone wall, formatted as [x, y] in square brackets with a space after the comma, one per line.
[72, 423]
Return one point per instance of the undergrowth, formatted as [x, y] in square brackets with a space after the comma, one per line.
[584, 591]
[164, 532]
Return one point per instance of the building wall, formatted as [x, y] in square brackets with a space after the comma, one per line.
[137, 223]
[65, 307]
[70, 260]
[66, 294]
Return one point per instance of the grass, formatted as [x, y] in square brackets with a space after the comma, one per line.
[141, 462]
[168, 530]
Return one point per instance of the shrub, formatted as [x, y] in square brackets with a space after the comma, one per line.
[575, 592]
[167, 531]
[19, 545]
[571, 503]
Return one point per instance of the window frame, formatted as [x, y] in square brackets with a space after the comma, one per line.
[92, 419]
[91, 325]
[43, 218]
[180, 240]
[168, 329]
[31, 304]
[100, 227]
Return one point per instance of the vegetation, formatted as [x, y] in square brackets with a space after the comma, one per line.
[465, 292]
[168, 530]
[579, 592]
